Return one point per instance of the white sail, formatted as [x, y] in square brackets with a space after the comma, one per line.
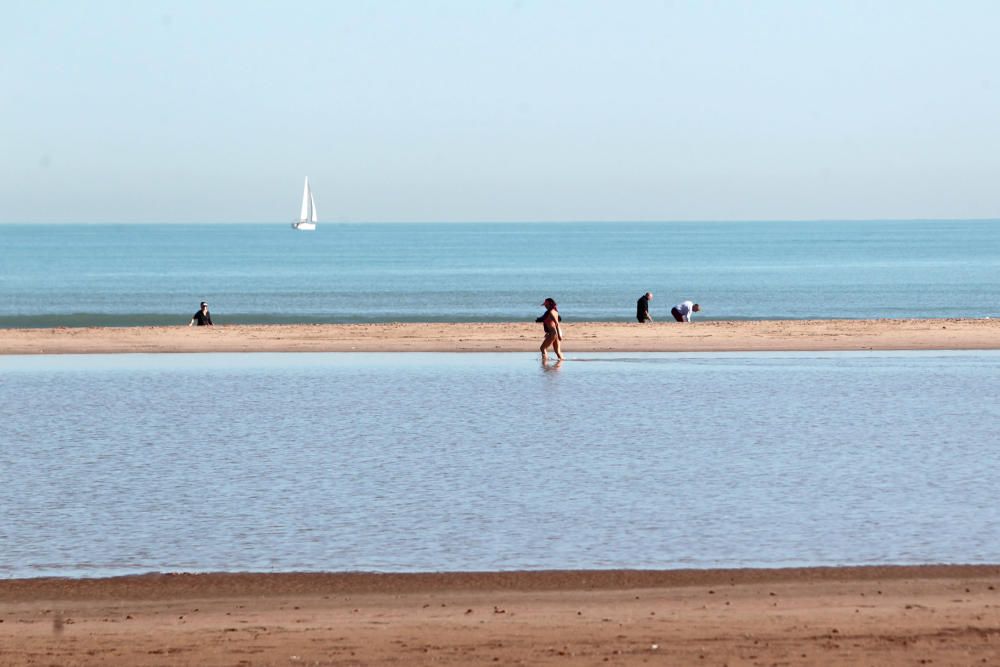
[306, 195]
[307, 214]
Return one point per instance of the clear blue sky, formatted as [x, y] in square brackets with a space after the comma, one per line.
[199, 111]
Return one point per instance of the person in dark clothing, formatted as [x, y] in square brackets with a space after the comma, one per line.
[202, 317]
[642, 308]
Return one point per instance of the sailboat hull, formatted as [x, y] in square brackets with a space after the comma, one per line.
[304, 226]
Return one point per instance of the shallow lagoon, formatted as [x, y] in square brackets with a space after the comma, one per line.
[115, 464]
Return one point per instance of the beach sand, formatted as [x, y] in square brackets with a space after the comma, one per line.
[930, 615]
[712, 336]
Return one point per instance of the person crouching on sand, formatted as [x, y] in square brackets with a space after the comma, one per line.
[682, 311]
[553, 333]
[202, 317]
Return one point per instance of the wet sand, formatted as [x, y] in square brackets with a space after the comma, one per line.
[940, 615]
[758, 335]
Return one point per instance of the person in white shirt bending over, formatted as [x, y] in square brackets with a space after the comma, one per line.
[682, 311]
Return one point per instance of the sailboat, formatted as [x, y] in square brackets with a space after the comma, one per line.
[307, 217]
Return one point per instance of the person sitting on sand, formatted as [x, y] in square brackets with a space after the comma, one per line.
[202, 317]
[642, 308]
[682, 311]
[553, 332]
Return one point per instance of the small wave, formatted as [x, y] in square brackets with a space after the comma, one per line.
[78, 320]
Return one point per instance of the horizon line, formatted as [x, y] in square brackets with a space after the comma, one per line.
[512, 222]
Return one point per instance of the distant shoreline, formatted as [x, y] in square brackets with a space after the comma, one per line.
[698, 336]
[181, 585]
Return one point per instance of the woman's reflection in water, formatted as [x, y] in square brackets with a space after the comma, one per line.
[548, 368]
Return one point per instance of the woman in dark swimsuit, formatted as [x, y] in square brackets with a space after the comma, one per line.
[553, 334]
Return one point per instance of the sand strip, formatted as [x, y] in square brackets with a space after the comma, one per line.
[761, 335]
[873, 615]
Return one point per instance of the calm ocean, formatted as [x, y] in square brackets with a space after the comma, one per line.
[117, 464]
[121, 275]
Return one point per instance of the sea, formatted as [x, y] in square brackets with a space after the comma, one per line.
[138, 275]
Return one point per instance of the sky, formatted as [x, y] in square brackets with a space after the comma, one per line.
[466, 110]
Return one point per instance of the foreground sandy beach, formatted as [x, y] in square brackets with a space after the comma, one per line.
[940, 615]
[516, 337]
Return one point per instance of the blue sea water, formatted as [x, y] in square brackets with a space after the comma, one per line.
[414, 462]
[122, 275]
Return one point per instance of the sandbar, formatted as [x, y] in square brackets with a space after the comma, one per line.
[704, 336]
[935, 614]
